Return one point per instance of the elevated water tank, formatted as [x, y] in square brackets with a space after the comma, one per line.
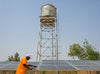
[48, 10]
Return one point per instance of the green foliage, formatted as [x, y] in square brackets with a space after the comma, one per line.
[15, 58]
[85, 53]
[9, 58]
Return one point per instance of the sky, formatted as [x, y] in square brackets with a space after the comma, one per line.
[19, 25]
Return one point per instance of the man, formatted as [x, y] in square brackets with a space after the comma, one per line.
[23, 65]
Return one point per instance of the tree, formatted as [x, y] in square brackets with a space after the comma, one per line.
[76, 50]
[9, 59]
[85, 53]
[15, 58]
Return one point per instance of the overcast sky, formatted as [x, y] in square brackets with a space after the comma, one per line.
[19, 25]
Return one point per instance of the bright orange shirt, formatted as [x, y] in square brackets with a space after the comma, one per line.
[21, 69]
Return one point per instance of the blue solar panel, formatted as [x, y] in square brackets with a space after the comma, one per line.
[13, 65]
[56, 65]
[69, 65]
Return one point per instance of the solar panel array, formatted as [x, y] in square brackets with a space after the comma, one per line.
[86, 65]
[56, 65]
[13, 65]
[69, 65]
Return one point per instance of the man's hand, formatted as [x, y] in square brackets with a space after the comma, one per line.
[30, 69]
[32, 65]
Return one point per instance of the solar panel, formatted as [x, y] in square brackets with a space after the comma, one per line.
[69, 65]
[85, 64]
[13, 65]
[56, 65]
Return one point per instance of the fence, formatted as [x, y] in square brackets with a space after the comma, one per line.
[53, 72]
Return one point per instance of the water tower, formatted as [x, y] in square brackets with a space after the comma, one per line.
[48, 45]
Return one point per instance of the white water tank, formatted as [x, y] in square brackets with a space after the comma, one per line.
[48, 10]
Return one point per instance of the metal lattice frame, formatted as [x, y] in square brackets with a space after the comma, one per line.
[47, 39]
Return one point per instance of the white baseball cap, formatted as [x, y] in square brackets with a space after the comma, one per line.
[28, 55]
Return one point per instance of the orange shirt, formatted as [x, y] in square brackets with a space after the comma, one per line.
[21, 69]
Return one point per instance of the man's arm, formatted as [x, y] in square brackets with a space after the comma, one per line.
[27, 66]
[32, 65]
